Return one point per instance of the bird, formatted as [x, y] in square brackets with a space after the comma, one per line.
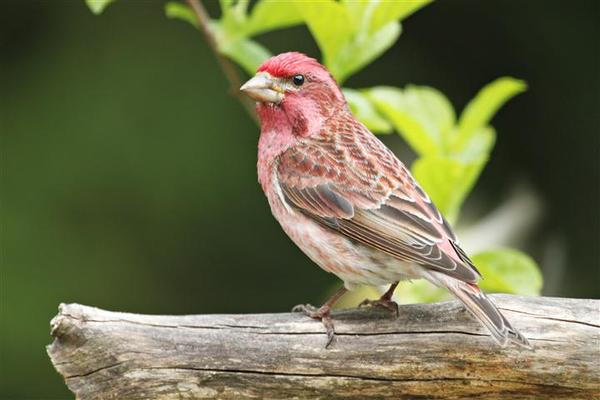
[348, 202]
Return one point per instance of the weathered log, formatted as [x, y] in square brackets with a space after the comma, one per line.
[429, 351]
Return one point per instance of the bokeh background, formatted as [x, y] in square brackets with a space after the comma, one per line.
[128, 174]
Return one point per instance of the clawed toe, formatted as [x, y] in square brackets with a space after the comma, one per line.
[307, 309]
[323, 314]
[385, 303]
[365, 303]
[328, 324]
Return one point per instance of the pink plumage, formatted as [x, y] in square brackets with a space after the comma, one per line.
[345, 199]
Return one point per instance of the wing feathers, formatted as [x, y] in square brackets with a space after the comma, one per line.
[346, 179]
[319, 200]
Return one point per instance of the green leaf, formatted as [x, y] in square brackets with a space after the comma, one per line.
[422, 115]
[241, 8]
[97, 6]
[370, 16]
[330, 24]
[268, 15]
[247, 53]
[177, 10]
[363, 49]
[447, 181]
[388, 11]
[226, 7]
[233, 18]
[376, 28]
[351, 34]
[360, 13]
[346, 47]
[482, 108]
[508, 271]
[420, 291]
[479, 146]
[390, 103]
[365, 111]
[230, 40]
[432, 109]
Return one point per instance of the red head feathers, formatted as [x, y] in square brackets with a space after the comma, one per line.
[287, 64]
[295, 94]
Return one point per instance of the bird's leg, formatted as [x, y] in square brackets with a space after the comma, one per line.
[384, 301]
[323, 313]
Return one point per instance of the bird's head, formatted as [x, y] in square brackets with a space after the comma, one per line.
[294, 89]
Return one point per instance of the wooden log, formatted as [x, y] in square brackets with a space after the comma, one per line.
[429, 351]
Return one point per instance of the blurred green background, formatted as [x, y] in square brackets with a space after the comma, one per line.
[128, 174]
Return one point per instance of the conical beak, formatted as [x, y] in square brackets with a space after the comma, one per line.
[263, 88]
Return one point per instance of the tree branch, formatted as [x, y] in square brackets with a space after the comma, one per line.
[430, 351]
[229, 69]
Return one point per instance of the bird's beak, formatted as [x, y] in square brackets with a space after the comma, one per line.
[262, 87]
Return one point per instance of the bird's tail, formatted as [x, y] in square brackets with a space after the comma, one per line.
[484, 309]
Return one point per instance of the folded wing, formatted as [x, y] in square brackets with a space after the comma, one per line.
[347, 180]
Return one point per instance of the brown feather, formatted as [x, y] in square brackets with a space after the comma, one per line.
[347, 180]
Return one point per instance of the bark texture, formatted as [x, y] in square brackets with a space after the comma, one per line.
[429, 351]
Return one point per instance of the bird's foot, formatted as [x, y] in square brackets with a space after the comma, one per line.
[323, 314]
[382, 302]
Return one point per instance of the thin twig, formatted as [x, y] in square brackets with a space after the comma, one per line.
[227, 66]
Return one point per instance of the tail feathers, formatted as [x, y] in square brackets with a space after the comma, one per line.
[484, 309]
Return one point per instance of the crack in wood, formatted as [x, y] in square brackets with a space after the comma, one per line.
[264, 332]
[570, 321]
[334, 376]
[94, 371]
[113, 355]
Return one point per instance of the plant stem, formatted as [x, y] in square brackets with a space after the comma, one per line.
[227, 66]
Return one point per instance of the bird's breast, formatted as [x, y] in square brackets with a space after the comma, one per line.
[354, 263]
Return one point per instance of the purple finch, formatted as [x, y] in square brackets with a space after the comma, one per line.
[345, 199]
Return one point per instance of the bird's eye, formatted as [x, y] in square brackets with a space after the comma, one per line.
[298, 80]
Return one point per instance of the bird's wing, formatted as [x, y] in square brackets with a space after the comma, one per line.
[349, 181]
